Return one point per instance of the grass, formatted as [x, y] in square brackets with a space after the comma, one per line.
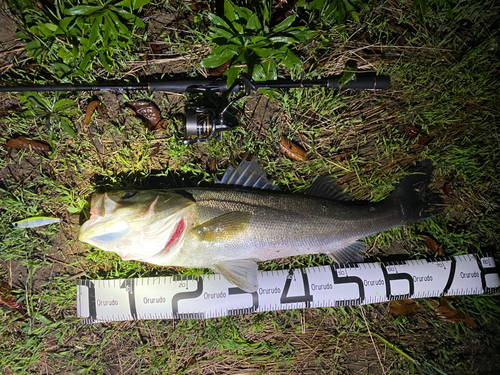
[444, 83]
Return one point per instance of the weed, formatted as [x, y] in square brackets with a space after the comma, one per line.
[253, 44]
[68, 38]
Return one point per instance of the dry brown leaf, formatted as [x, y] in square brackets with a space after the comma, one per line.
[401, 42]
[446, 312]
[156, 150]
[6, 298]
[198, 6]
[292, 150]
[405, 307]
[24, 143]
[160, 126]
[342, 158]
[411, 132]
[155, 48]
[11, 103]
[220, 70]
[432, 245]
[423, 139]
[149, 113]
[212, 164]
[93, 105]
[447, 189]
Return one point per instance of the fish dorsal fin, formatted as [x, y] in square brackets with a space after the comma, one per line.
[243, 273]
[248, 174]
[222, 227]
[348, 253]
[327, 187]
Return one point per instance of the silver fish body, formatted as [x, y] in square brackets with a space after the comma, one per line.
[280, 225]
[230, 229]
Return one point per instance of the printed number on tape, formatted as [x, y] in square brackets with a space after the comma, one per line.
[213, 296]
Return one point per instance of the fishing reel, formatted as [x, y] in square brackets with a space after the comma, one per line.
[206, 117]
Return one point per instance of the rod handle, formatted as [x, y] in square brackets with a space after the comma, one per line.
[362, 82]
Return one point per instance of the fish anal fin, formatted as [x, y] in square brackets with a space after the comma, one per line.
[242, 273]
[222, 227]
[327, 187]
[349, 253]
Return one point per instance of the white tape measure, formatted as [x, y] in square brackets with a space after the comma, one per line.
[211, 296]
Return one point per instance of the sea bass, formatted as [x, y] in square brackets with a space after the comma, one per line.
[246, 220]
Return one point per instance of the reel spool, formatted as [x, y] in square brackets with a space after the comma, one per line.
[203, 122]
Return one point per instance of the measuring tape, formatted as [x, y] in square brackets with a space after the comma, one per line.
[211, 296]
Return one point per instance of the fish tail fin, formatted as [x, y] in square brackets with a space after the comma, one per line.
[414, 196]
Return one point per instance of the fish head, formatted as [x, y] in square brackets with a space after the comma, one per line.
[137, 225]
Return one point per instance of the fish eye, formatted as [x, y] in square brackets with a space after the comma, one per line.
[129, 194]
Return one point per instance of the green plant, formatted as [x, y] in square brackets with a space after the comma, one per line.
[252, 44]
[422, 6]
[336, 10]
[52, 109]
[68, 38]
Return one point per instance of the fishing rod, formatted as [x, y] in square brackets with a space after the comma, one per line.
[206, 117]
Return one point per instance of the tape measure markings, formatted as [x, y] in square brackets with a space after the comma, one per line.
[211, 296]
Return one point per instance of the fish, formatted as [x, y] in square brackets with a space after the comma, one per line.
[36, 221]
[245, 219]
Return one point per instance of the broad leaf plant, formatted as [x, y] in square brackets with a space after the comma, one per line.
[253, 45]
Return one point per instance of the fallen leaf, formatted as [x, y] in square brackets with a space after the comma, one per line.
[95, 139]
[292, 150]
[220, 70]
[11, 103]
[401, 42]
[6, 298]
[212, 164]
[197, 6]
[24, 143]
[405, 307]
[93, 105]
[432, 245]
[279, 14]
[149, 113]
[446, 312]
[101, 108]
[423, 140]
[342, 158]
[155, 48]
[411, 132]
[447, 189]
[156, 150]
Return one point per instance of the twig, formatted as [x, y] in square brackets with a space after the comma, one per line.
[6, 68]
[157, 61]
[11, 51]
[75, 276]
[371, 337]
[373, 246]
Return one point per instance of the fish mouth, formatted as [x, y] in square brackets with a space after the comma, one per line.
[92, 230]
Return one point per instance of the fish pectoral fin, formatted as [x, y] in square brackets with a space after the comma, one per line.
[349, 253]
[243, 273]
[222, 227]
